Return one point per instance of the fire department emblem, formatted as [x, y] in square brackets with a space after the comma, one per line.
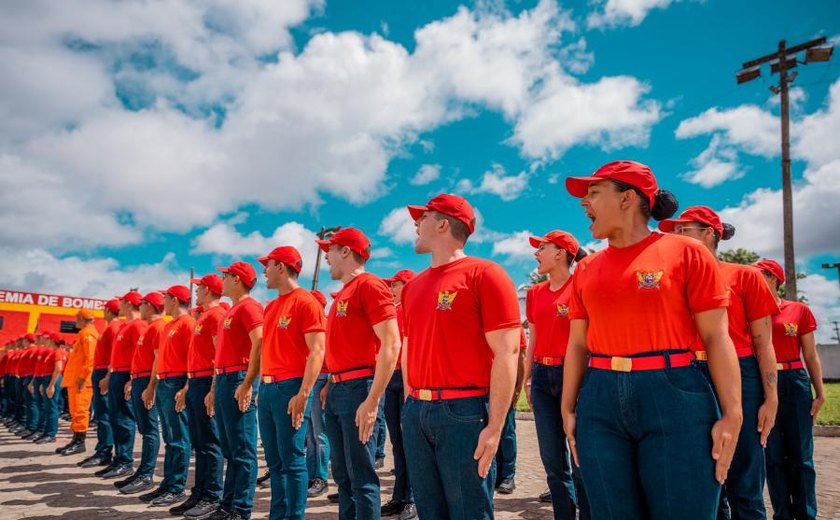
[284, 322]
[171, 333]
[445, 300]
[197, 330]
[791, 329]
[227, 322]
[341, 308]
[649, 279]
[562, 310]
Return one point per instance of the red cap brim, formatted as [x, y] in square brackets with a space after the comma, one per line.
[668, 225]
[324, 245]
[417, 211]
[223, 270]
[263, 260]
[196, 281]
[536, 241]
[579, 186]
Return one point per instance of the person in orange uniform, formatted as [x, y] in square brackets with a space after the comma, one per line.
[547, 312]
[459, 363]
[204, 433]
[77, 379]
[102, 455]
[291, 359]
[791, 479]
[234, 389]
[644, 426]
[751, 305]
[140, 391]
[362, 315]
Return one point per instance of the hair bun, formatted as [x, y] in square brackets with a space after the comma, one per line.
[581, 253]
[728, 231]
[665, 204]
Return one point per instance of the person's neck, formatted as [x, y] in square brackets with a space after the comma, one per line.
[286, 286]
[132, 315]
[628, 236]
[239, 297]
[211, 304]
[178, 313]
[447, 253]
[153, 317]
[347, 278]
[557, 277]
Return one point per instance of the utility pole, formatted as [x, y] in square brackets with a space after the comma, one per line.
[192, 275]
[783, 60]
[836, 331]
[835, 265]
[322, 235]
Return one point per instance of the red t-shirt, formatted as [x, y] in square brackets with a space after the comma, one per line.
[548, 313]
[202, 349]
[448, 309]
[102, 354]
[401, 325]
[29, 360]
[233, 347]
[794, 321]
[44, 363]
[287, 320]
[750, 298]
[643, 298]
[175, 346]
[362, 303]
[147, 346]
[124, 345]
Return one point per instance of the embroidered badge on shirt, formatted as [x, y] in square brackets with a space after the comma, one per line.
[197, 330]
[171, 333]
[649, 279]
[562, 310]
[791, 329]
[445, 300]
[341, 308]
[284, 322]
[227, 322]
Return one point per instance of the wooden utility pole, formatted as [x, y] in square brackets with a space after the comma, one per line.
[783, 60]
[323, 234]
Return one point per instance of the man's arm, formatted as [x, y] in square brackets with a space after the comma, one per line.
[389, 338]
[812, 362]
[245, 390]
[316, 342]
[762, 337]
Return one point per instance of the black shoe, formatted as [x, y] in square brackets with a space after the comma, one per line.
[410, 512]
[393, 507]
[73, 449]
[167, 499]
[506, 486]
[333, 497]
[95, 460]
[118, 471]
[23, 433]
[148, 497]
[139, 484]
[45, 439]
[546, 496]
[380, 463]
[235, 515]
[265, 477]
[185, 506]
[106, 469]
[317, 488]
[206, 511]
[126, 481]
[32, 436]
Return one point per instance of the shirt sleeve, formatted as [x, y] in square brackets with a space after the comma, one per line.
[529, 304]
[311, 315]
[807, 321]
[704, 286]
[88, 348]
[377, 300]
[500, 305]
[251, 316]
[759, 298]
[577, 309]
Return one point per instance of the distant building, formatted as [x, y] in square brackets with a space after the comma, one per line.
[22, 312]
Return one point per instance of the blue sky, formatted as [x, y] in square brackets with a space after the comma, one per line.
[140, 139]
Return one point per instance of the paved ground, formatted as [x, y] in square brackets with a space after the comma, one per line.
[37, 484]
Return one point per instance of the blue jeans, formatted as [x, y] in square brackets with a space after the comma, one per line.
[352, 461]
[40, 383]
[238, 437]
[791, 479]
[21, 407]
[122, 419]
[506, 454]
[440, 438]
[33, 413]
[745, 481]
[176, 435]
[104, 434]
[379, 431]
[394, 399]
[644, 444]
[567, 492]
[317, 444]
[285, 449]
[204, 438]
[147, 425]
[51, 406]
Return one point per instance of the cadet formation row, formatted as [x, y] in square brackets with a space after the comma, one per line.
[665, 384]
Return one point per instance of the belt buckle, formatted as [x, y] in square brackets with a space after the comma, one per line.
[266, 379]
[332, 379]
[780, 366]
[424, 394]
[621, 364]
[701, 355]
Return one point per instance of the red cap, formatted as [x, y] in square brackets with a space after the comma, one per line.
[224, 305]
[452, 205]
[245, 271]
[319, 296]
[155, 299]
[113, 305]
[561, 239]
[630, 172]
[213, 282]
[285, 254]
[180, 293]
[701, 214]
[348, 237]
[198, 308]
[772, 267]
[56, 337]
[30, 337]
[401, 276]
[133, 297]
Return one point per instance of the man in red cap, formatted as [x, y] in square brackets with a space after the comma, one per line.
[291, 359]
[460, 357]
[123, 422]
[317, 444]
[234, 389]
[77, 379]
[140, 391]
[204, 432]
[101, 414]
[361, 317]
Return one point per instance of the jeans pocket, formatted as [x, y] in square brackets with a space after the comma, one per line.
[468, 411]
[688, 380]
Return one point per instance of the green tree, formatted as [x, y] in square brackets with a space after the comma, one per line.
[747, 257]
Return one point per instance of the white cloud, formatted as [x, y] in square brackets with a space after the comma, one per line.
[748, 127]
[515, 247]
[398, 226]
[613, 13]
[426, 174]
[717, 164]
[495, 182]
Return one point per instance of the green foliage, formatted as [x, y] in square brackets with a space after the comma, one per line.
[739, 256]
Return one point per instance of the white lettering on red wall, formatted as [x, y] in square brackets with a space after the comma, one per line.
[50, 300]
